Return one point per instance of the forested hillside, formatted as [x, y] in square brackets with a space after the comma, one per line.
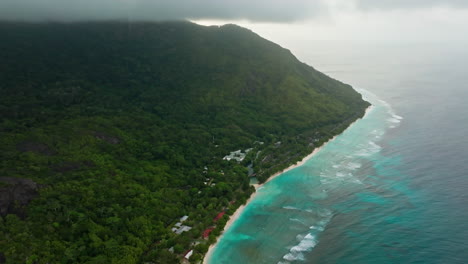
[111, 132]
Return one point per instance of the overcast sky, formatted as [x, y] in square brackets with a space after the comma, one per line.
[253, 10]
[256, 10]
[329, 19]
[349, 23]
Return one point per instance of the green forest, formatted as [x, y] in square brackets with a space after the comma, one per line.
[110, 132]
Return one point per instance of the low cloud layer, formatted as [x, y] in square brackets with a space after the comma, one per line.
[74, 10]
[155, 10]
[406, 4]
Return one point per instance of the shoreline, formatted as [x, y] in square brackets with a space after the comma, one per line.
[241, 208]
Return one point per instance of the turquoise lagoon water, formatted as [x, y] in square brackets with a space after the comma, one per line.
[293, 212]
[393, 188]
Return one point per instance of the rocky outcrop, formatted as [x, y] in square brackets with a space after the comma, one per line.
[16, 194]
[36, 147]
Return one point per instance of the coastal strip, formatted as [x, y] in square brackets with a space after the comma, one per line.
[241, 208]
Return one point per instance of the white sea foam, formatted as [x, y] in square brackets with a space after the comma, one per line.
[297, 221]
[349, 165]
[384, 103]
[364, 153]
[394, 117]
[374, 145]
[325, 181]
[289, 257]
[325, 213]
[318, 228]
[294, 256]
[344, 175]
[309, 241]
[377, 133]
[340, 174]
[299, 237]
[288, 207]
[393, 120]
[368, 150]
[353, 165]
[306, 244]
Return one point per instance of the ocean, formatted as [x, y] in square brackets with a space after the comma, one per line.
[393, 188]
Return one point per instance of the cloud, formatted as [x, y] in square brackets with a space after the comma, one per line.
[75, 10]
[409, 4]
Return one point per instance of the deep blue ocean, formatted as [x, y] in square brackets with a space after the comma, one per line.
[393, 188]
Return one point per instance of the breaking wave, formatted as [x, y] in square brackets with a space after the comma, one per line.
[289, 207]
[306, 244]
[369, 149]
[308, 241]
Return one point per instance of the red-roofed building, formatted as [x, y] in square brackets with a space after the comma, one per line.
[207, 232]
[219, 216]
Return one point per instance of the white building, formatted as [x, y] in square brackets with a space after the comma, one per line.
[189, 254]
